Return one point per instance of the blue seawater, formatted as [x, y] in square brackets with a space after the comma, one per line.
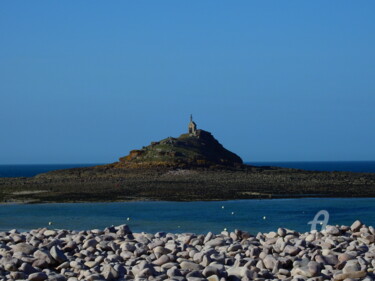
[197, 217]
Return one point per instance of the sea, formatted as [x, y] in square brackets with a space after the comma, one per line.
[195, 217]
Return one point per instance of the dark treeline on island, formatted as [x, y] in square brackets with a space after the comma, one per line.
[194, 166]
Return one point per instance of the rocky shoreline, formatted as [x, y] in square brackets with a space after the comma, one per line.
[115, 253]
[107, 183]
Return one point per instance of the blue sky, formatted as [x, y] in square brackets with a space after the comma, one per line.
[87, 81]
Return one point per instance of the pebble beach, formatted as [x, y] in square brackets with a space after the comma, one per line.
[115, 253]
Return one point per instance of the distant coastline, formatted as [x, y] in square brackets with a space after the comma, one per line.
[108, 183]
[30, 170]
[322, 166]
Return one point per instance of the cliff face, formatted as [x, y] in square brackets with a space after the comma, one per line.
[188, 150]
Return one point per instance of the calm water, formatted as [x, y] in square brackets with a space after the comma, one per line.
[349, 166]
[198, 217]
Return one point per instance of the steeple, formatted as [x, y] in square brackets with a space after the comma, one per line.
[192, 128]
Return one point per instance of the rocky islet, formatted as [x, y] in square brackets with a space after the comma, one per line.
[193, 166]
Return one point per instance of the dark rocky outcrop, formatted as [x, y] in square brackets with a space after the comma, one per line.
[188, 150]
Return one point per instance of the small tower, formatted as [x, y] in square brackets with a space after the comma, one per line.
[192, 126]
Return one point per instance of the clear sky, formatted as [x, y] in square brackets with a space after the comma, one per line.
[87, 81]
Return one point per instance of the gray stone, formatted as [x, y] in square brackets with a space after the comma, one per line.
[356, 226]
[314, 268]
[344, 257]
[48, 233]
[220, 258]
[206, 260]
[38, 276]
[333, 230]
[161, 260]
[354, 275]
[208, 237]
[56, 277]
[310, 237]
[279, 246]
[58, 254]
[24, 248]
[173, 272]
[94, 277]
[188, 265]
[351, 266]
[291, 250]
[44, 255]
[195, 279]
[17, 275]
[90, 243]
[234, 247]
[281, 232]
[301, 271]
[284, 272]
[109, 273]
[194, 273]
[215, 242]
[269, 262]
[145, 273]
[27, 268]
[210, 270]
[213, 278]
[331, 259]
[234, 272]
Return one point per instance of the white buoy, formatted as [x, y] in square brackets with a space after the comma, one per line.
[264, 217]
[222, 207]
[232, 213]
[50, 223]
[225, 229]
[128, 219]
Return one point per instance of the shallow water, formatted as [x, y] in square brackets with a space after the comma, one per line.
[197, 217]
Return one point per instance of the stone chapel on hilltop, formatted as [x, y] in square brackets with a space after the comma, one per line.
[192, 128]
